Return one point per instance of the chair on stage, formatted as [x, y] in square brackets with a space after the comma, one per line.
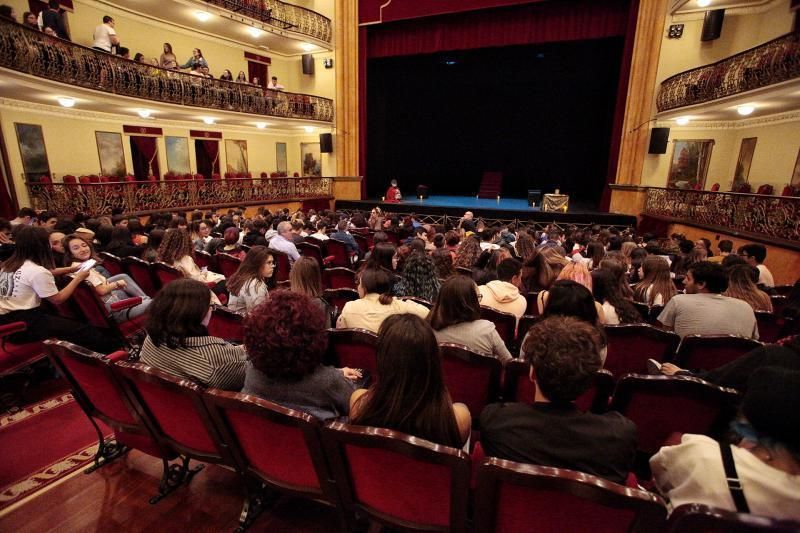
[514, 497]
[708, 352]
[398, 480]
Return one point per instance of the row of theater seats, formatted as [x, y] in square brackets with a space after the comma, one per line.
[392, 478]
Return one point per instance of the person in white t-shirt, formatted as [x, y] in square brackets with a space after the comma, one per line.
[105, 36]
[25, 279]
[754, 255]
[274, 85]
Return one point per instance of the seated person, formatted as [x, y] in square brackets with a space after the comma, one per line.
[376, 303]
[178, 341]
[419, 278]
[503, 294]
[248, 285]
[341, 234]
[754, 255]
[766, 458]
[176, 250]
[456, 317]
[552, 431]
[285, 340]
[393, 195]
[410, 395]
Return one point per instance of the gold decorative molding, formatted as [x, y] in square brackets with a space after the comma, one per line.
[346, 102]
[769, 120]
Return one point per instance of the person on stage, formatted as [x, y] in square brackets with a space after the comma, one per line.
[393, 195]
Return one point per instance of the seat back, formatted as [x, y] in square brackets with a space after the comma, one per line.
[228, 264]
[338, 249]
[100, 394]
[533, 307]
[525, 323]
[772, 327]
[339, 278]
[662, 405]
[399, 479]
[513, 497]
[353, 348]
[112, 263]
[421, 301]
[313, 250]
[204, 259]
[226, 324]
[279, 446]
[712, 351]
[505, 323]
[705, 519]
[472, 378]
[91, 307]
[164, 273]
[363, 243]
[175, 410]
[283, 266]
[631, 345]
[13, 356]
[339, 297]
[142, 273]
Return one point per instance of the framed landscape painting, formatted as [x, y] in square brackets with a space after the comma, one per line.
[177, 154]
[310, 159]
[689, 163]
[33, 151]
[236, 155]
[112, 156]
[280, 158]
[742, 172]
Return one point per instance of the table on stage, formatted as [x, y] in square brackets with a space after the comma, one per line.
[555, 202]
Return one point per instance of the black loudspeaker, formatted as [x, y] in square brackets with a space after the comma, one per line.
[712, 25]
[325, 143]
[658, 141]
[308, 64]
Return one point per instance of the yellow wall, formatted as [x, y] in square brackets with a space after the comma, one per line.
[773, 160]
[72, 148]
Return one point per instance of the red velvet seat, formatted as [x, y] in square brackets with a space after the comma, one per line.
[363, 243]
[783, 289]
[164, 273]
[514, 497]
[533, 306]
[518, 387]
[226, 324]
[505, 323]
[339, 297]
[283, 266]
[101, 395]
[631, 345]
[703, 519]
[339, 278]
[228, 264]
[95, 313]
[707, 352]
[112, 263]
[472, 378]
[338, 250]
[280, 447]
[205, 260]
[313, 250]
[649, 312]
[398, 480]
[142, 273]
[663, 405]
[14, 357]
[353, 348]
[525, 323]
[772, 327]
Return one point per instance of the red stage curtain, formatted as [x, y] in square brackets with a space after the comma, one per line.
[517, 25]
[148, 147]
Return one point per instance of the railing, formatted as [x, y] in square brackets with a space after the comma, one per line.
[773, 217]
[773, 62]
[285, 16]
[35, 53]
[140, 197]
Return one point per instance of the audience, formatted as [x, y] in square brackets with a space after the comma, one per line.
[176, 251]
[248, 285]
[410, 395]
[419, 278]
[503, 293]
[168, 59]
[283, 242]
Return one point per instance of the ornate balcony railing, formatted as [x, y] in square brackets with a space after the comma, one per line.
[773, 62]
[35, 53]
[772, 217]
[141, 197]
[285, 16]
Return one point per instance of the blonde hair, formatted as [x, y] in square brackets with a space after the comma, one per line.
[656, 279]
[578, 272]
[742, 287]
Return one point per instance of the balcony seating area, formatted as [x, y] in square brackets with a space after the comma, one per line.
[282, 15]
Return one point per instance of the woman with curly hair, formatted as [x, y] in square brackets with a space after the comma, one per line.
[285, 340]
[468, 253]
[177, 250]
[419, 278]
[525, 246]
[178, 341]
[741, 285]
[656, 287]
[248, 285]
[410, 395]
[443, 263]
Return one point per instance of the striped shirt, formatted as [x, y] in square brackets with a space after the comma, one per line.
[209, 361]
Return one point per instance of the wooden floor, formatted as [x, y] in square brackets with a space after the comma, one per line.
[115, 498]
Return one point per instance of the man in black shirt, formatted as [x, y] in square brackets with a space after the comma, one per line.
[552, 431]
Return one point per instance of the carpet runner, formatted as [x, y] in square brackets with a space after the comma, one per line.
[42, 443]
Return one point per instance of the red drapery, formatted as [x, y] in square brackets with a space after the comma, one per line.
[257, 70]
[212, 151]
[148, 147]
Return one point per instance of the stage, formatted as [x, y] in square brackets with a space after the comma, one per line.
[505, 209]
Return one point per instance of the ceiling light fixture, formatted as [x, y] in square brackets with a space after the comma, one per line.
[703, 3]
[209, 120]
[261, 125]
[307, 47]
[745, 110]
[144, 113]
[202, 16]
[255, 32]
[682, 121]
[66, 101]
[309, 129]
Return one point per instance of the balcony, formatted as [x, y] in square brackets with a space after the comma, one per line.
[281, 15]
[32, 52]
[771, 63]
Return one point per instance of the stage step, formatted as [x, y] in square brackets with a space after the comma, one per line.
[491, 184]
